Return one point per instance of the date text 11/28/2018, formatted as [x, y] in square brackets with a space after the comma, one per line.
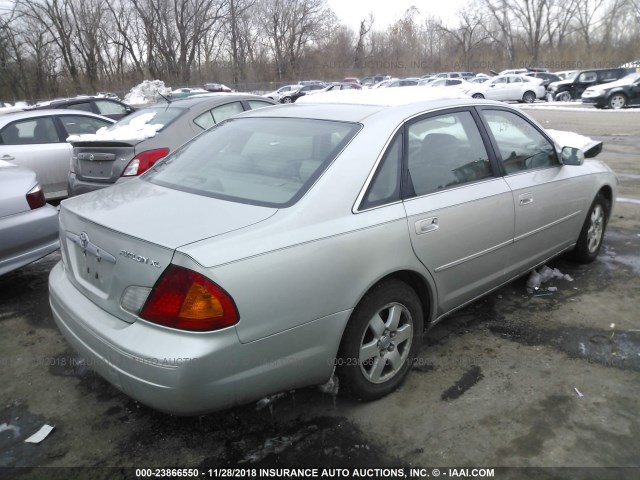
[314, 472]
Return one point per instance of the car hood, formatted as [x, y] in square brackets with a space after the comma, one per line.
[163, 216]
[561, 83]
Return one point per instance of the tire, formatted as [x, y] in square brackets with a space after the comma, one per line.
[592, 233]
[563, 97]
[617, 101]
[287, 100]
[477, 95]
[529, 97]
[380, 341]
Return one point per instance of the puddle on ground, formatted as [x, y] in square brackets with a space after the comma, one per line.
[602, 347]
[468, 380]
[16, 425]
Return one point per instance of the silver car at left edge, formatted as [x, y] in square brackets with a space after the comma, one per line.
[326, 236]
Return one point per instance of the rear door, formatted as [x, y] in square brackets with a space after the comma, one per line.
[35, 143]
[548, 199]
[460, 213]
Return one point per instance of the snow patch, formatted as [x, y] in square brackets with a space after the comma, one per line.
[149, 91]
[137, 129]
[569, 139]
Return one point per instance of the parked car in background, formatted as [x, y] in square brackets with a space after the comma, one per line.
[108, 95]
[107, 107]
[339, 86]
[572, 89]
[619, 94]
[275, 95]
[290, 243]
[372, 80]
[37, 140]
[383, 83]
[518, 88]
[292, 96]
[216, 87]
[131, 146]
[567, 74]
[28, 225]
[351, 80]
[546, 77]
[184, 92]
[455, 75]
[401, 82]
[447, 82]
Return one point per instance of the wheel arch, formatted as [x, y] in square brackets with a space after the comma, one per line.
[422, 286]
[607, 192]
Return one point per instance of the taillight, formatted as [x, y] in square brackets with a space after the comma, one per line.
[35, 198]
[144, 161]
[186, 300]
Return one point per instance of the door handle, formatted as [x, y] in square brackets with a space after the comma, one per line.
[526, 199]
[8, 157]
[427, 225]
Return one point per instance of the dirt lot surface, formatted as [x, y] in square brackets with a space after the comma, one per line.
[511, 381]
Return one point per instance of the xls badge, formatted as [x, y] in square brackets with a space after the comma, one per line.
[139, 258]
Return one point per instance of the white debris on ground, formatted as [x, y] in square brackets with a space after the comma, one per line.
[148, 91]
[137, 129]
[538, 277]
[269, 401]
[40, 435]
[277, 445]
[332, 386]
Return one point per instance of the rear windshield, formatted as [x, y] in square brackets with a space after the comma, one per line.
[260, 161]
[161, 115]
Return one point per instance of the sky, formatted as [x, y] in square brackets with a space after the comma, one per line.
[385, 12]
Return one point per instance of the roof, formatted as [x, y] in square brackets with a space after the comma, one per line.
[358, 105]
[188, 102]
[11, 116]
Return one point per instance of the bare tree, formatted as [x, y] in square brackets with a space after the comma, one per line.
[175, 29]
[290, 27]
[365, 27]
[56, 16]
[469, 33]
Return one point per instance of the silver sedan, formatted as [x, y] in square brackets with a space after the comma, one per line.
[290, 243]
[28, 226]
[37, 139]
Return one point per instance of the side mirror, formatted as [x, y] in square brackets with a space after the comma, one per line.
[572, 156]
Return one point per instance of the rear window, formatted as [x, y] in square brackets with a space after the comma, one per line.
[260, 161]
[162, 115]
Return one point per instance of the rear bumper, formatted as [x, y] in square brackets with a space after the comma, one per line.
[185, 373]
[75, 186]
[27, 237]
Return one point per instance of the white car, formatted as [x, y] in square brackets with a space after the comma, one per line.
[37, 139]
[518, 88]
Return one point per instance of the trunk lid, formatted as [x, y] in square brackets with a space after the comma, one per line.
[102, 161]
[126, 235]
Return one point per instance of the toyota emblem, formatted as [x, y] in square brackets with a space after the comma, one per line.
[91, 157]
[84, 240]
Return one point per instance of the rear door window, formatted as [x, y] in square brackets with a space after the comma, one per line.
[77, 125]
[446, 151]
[28, 132]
